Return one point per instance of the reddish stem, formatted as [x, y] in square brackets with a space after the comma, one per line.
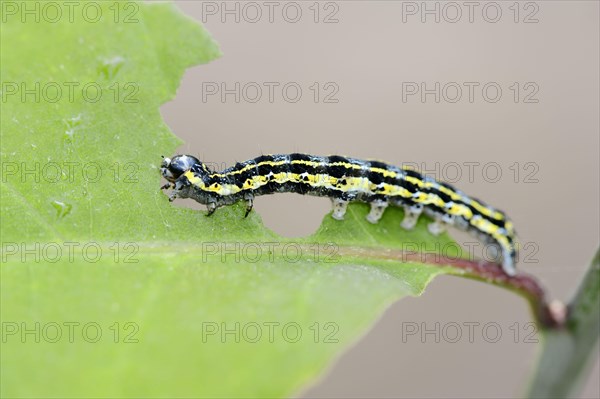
[550, 314]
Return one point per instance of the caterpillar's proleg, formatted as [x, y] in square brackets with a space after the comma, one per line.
[411, 216]
[437, 227]
[377, 209]
[339, 208]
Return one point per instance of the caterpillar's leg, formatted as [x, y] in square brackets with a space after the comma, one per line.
[212, 207]
[377, 209]
[177, 186]
[411, 216]
[249, 203]
[438, 226]
[165, 186]
[173, 194]
[492, 251]
[508, 262]
[339, 208]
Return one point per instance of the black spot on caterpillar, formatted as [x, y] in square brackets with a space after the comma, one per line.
[343, 180]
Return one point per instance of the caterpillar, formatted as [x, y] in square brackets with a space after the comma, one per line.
[343, 180]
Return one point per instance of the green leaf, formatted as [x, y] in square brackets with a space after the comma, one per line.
[567, 354]
[107, 289]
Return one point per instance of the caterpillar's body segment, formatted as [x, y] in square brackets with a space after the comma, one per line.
[343, 180]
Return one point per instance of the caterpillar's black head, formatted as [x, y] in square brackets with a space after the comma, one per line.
[172, 169]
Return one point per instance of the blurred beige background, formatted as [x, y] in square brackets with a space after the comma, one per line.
[367, 59]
